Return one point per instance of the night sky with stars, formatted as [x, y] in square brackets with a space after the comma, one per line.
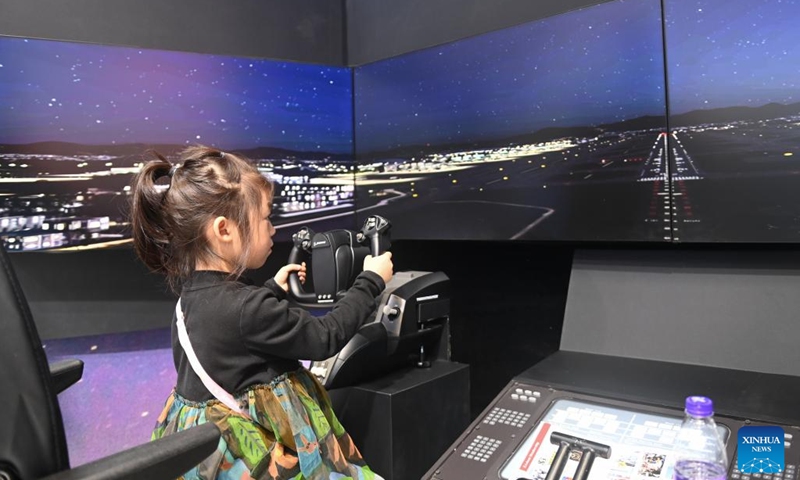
[99, 95]
[725, 53]
[595, 65]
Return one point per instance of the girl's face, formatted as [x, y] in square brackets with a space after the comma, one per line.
[261, 235]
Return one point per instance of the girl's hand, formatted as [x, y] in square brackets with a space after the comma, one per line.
[382, 265]
[282, 277]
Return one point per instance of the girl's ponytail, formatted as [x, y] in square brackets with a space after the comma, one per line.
[151, 232]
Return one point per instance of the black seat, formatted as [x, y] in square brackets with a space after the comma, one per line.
[32, 440]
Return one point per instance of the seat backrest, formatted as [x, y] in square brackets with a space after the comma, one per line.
[33, 443]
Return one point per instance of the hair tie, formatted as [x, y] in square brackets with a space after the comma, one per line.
[172, 170]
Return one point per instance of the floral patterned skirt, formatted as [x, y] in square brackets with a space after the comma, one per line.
[292, 434]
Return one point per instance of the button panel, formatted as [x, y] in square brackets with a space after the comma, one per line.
[481, 448]
[506, 417]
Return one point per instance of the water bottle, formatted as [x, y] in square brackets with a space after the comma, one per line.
[700, 453]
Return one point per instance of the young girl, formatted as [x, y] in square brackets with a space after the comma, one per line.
[236, 345]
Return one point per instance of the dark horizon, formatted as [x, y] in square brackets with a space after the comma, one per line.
[129, 149]
[691, 118]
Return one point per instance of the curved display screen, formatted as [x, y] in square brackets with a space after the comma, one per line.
[630, 120]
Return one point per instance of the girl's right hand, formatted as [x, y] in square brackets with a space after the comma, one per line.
[382, 265]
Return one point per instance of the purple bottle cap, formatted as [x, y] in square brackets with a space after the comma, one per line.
[699, 406]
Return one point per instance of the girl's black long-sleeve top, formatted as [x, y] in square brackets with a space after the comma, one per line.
[245, 334]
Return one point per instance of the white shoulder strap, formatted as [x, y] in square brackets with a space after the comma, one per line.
[220, 393]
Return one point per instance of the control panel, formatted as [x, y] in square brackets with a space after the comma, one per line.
[519, 434]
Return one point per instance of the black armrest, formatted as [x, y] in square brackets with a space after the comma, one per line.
[166, 458]
[64, 373]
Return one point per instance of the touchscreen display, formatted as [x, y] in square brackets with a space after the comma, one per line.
[641, 443]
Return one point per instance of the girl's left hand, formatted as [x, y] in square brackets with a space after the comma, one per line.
[282, 277]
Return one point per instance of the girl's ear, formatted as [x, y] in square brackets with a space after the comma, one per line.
[223, 229]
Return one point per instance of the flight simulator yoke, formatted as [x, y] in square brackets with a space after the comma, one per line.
[410, 326]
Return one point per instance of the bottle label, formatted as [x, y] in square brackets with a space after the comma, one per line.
[761, 449]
